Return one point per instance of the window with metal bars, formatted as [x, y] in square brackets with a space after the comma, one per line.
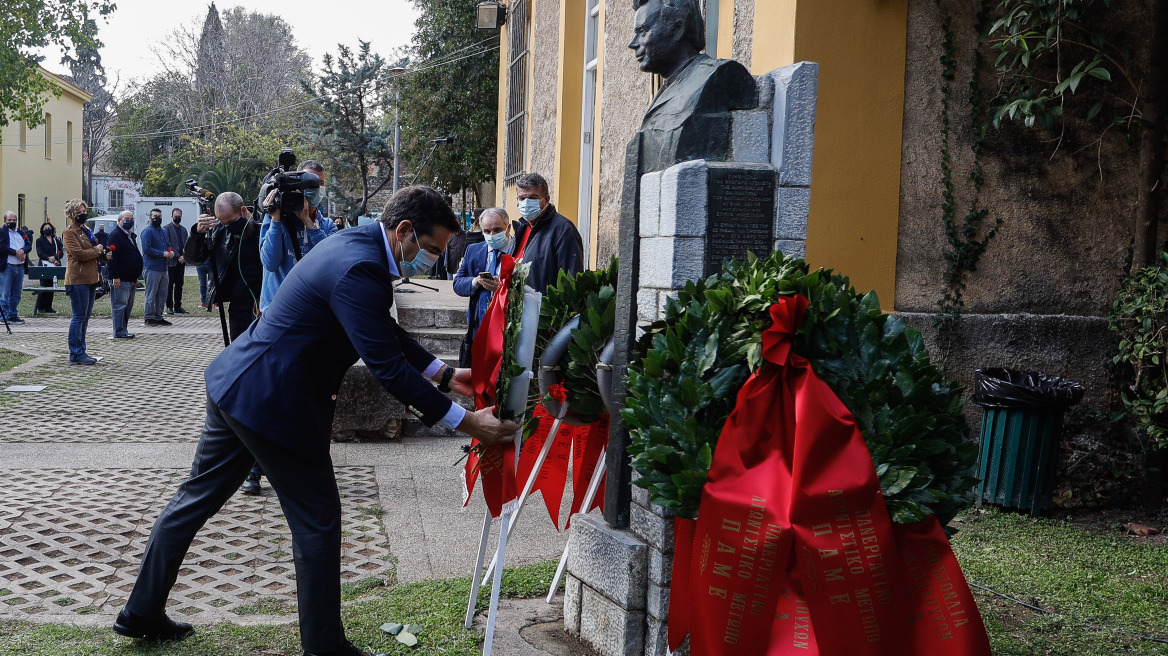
[517, 78]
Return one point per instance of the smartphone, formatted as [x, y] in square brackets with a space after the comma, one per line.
[486, 275]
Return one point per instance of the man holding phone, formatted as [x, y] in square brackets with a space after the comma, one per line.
[478, 275]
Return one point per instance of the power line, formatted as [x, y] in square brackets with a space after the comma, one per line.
[429, 64]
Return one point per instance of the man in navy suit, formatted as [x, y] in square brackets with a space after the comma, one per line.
[270, 399]
[484, 258]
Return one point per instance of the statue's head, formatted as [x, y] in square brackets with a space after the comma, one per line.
[666, 33]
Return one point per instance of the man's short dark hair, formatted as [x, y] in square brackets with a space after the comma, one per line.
[690, 13]
[422, 206]
[313, 166]
[156, 209]
[532, 181]
[177, 209]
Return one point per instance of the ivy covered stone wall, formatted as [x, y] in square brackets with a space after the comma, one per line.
[1066, 200]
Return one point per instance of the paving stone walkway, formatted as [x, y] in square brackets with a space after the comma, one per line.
[87, 464]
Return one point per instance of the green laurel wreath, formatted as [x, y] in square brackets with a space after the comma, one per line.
[513, 317]
[689, 368]
[592, 296]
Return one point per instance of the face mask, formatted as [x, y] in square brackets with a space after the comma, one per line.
[12, 226]
[48, 232]
[529, 208]
[128, 224]
[156, 221]
[496, 241]
[177, 219]
[421, 262]
[314, 196]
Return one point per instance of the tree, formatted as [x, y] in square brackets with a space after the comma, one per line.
[99, 114]
[29, 25]
[451, 92]
[352, 128]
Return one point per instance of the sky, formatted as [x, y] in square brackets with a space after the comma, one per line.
[131, 31]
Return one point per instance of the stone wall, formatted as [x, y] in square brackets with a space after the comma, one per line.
[1067, 202]
[545, 37]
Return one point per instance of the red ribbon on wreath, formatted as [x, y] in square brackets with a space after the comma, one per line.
[793, 551]
[494, 464]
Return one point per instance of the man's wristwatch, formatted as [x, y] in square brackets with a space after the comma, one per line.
[447, 374]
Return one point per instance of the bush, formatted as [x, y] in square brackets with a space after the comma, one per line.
[1139, 317]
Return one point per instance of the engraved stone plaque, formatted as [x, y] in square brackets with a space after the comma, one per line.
[741, 215]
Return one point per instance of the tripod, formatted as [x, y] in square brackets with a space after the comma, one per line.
[407, 281]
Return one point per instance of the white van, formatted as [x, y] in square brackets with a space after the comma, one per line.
[188, 205]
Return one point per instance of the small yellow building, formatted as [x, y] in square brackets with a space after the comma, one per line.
[40, 168]
[571, 96]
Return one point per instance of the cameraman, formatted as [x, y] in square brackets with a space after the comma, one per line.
[229, 242]
[308, 227]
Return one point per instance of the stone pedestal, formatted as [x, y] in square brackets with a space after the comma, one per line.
[693, 215]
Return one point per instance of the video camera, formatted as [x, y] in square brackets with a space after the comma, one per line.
[202, 195]
[290, 183]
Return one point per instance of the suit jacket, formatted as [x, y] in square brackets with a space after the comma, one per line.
[690, 116]
[279, 377]
[127, 261]
[5, 251]
[474, 262]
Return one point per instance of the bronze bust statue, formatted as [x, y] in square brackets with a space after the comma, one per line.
[690, 116]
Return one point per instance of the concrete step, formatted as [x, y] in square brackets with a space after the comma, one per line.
[414, 318]
[440, 340]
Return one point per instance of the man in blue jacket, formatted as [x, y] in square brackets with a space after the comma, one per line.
[122, 270]
[308, 227]
[553, 243]
[270, 398]
[156, 256]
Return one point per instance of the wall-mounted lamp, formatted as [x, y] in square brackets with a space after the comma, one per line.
[491, 15]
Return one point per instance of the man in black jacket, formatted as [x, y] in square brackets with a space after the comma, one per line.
[177, 267]
[230, 242]
[122, 270]
[14, 249]
[554, 243]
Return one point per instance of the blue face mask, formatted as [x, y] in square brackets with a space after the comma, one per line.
[529, 208]
[314, 196]
[421, 263]
[128, 224]
[496, 241]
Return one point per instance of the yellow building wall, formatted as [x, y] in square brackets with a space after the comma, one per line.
[855, 178]
[30, 173]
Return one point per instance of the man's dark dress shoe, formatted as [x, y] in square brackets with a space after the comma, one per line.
[347, 650]
[163, 628]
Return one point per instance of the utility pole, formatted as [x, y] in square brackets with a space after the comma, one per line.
[396, 72]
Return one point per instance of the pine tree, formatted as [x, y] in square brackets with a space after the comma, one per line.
[352, 128]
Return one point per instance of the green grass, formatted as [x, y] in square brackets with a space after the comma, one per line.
[101, 308]
[438, 606]
[10, 359]
[1088, 575]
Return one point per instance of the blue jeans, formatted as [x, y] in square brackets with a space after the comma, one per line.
[204, 271]
[11, 282]
[122, 304]
[81, 303]
[156, 282]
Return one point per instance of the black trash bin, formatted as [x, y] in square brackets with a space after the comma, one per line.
[1021, 424]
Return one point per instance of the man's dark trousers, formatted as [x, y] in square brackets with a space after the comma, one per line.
[307, 489]
[174, 286]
